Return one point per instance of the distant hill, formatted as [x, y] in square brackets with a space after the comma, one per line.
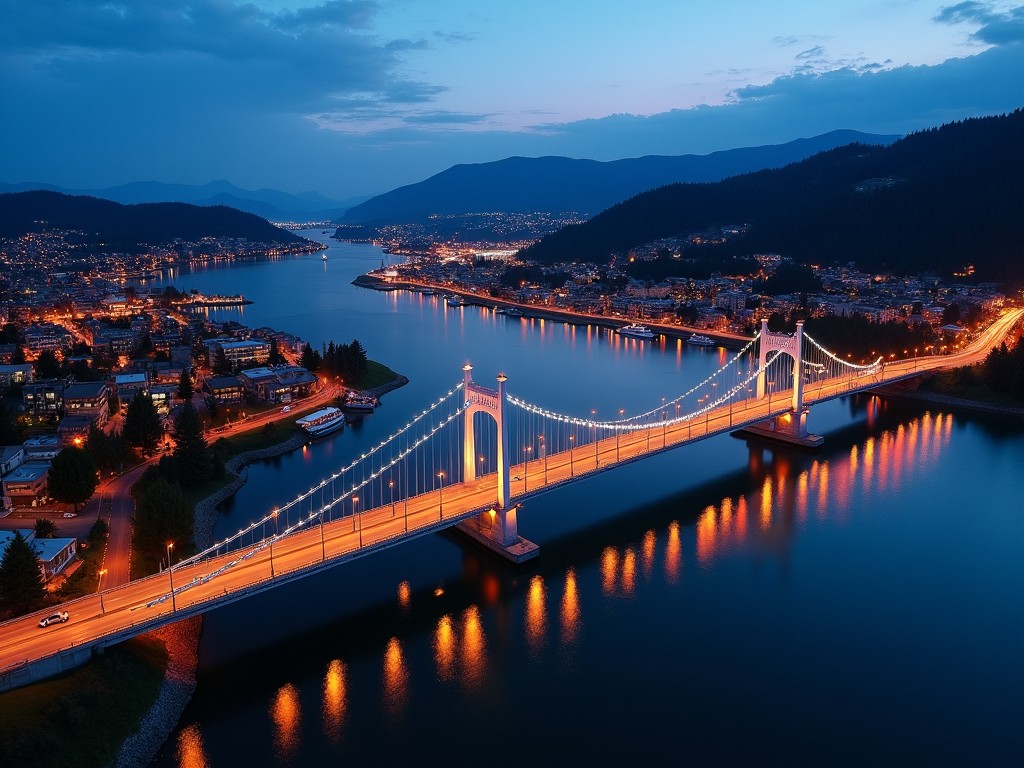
[935, 200]
[268, 203]
[559, 184]
[125, 226]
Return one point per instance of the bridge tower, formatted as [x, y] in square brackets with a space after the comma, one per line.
[497, 527]
[790, 427]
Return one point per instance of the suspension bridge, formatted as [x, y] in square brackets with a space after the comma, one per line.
[467, 460]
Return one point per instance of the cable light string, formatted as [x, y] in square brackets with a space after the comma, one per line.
[313, 516]
[629, 421]
[869, 367]
[323, 483]
[623, 425]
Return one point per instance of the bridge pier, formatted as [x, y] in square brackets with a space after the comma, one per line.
[497, 528]
[786, 428]
[789, 427]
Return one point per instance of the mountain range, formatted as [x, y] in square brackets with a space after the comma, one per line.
[936, 200]
[269, 204]
[125, 227]
[562, 184]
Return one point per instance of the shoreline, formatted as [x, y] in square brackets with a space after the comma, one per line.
[682, 332]
[977, 406]
[182, 638]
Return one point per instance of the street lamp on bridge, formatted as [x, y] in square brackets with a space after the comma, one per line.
[274, 514]
[99, 588]
[391, 487]
[572, 441]
[358, 520]
[618, 434]
[170, 574]
[440, 495]
[526, 464]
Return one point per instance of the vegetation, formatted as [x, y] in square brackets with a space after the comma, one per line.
[45, 528]
[162, 515]
[85, 579]
[82, 718]
[142, 426]
[902, 208]
[186, 389]
[193, 464]
[21, 583]
[125, 227]
[376, 375]
[72, 476]
[110, 452]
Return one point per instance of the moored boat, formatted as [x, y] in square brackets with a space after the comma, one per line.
[636, 330]
[322, 422]
[360, 401]
[704, 341]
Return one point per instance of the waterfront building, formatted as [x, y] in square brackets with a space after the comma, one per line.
[225, 389]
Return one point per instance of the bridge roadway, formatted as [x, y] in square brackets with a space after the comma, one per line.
[131, 609]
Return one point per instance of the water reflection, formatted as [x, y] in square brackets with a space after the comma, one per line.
[444, 647]
[191, 753]
[473, 648]
[396, 677]
[673, 554]
[286, 715]
[536, 614]
[570, 609]
[334, 700]
[404, 595]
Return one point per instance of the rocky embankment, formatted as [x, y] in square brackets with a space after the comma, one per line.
[182, 638]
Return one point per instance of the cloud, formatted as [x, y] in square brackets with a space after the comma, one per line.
[996, 25]
[811, 53]
[297, 59]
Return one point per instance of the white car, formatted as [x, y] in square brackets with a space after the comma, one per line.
[54, 618]
[286, 409]
[69, 514]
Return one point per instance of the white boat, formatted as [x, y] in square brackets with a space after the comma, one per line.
[513, 312]
[454, 301]
[322, 422]
[324, 257]
[703, 341]
[360, 401]
[636, 330]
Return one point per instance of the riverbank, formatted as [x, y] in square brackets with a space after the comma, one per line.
[927, 396]
[723, 338]
[182, 638]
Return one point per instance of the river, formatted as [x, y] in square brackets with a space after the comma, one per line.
[725, 603]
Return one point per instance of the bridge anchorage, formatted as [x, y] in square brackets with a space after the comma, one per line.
[791, 426]
[495, 528]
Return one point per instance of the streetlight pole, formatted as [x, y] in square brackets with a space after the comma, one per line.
[526, 464]
[572, 442]
[440, 496]
[593, 418]
[272, 545]
[100, 589]
[618, 434]
[358, 519]
[544, 453]
[170, 574]
[391, 487]
[323, 545]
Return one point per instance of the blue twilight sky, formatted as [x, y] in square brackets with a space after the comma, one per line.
[355, 97]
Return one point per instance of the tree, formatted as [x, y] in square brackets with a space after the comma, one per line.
[161, 515]
[21, 583]
[276, 358]
[9, 432]
[142, 426]
[221, 364]
[185, 387]
[191, 453]
[47, 366]
[45, 528]
[72, 476]
[310, 359]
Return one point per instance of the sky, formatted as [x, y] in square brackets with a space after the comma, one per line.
[352, 98]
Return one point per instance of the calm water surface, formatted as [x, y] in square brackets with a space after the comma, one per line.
[725, 603]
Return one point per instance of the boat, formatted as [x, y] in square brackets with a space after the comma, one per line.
[703, 341]
[428, 292]
[322, 422]
[513, 312]
[324, 257]
[636, 330]
[360, 401]
[454, 301]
